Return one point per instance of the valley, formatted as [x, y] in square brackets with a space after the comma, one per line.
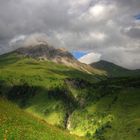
[93, 106]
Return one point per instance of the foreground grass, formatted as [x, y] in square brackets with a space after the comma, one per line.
[15, 124]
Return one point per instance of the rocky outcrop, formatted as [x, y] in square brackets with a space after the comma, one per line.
[44, 51]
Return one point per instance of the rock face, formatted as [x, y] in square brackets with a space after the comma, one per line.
[47, 52]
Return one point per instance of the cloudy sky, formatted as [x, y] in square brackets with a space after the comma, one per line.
[106, 28]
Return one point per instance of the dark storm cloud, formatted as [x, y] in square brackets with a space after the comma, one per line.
[134, 33]
[89, 25]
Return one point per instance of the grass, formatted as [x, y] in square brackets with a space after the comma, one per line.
[16, 124]
[113, 116]
[17, 71]
[90, 105]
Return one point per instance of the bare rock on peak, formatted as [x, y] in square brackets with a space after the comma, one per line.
[60, 56]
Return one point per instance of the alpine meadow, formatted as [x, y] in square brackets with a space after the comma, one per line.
[70, 70]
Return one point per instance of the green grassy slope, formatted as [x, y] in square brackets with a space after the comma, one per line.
[87, 105]
[30, 82]
[16, 124]
[114, 70]
[112, 114]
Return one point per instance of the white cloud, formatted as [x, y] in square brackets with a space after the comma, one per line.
[127, 58]
[17, 39]
[97, 10]
[97, 36]
[100, 12]
[78, 2]
[29, 40]
[90, 58]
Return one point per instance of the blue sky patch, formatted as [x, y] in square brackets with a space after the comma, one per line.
[78, 54]
[137, 17]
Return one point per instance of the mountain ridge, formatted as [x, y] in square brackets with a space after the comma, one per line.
[60, 56]
[114, 70]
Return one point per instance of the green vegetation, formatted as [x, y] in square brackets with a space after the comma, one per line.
[16, 124]
[39, 86]
[90, 105]
[111, 117]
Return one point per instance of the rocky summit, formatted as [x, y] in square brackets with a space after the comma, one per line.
[44, 51]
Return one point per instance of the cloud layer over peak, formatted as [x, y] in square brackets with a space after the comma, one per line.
[108, 27]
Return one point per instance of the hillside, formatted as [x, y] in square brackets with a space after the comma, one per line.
[114, 70]
[90, 105]
[16, 124]
[39, 87]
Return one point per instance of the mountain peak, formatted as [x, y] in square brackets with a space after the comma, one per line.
[45, 52]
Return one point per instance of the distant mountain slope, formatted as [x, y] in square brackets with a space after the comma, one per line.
[114, 70]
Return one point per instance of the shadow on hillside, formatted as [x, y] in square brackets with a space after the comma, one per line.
[73, 73]
[44, 101]
[23, 93]
[19, 94]
[8, 59]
